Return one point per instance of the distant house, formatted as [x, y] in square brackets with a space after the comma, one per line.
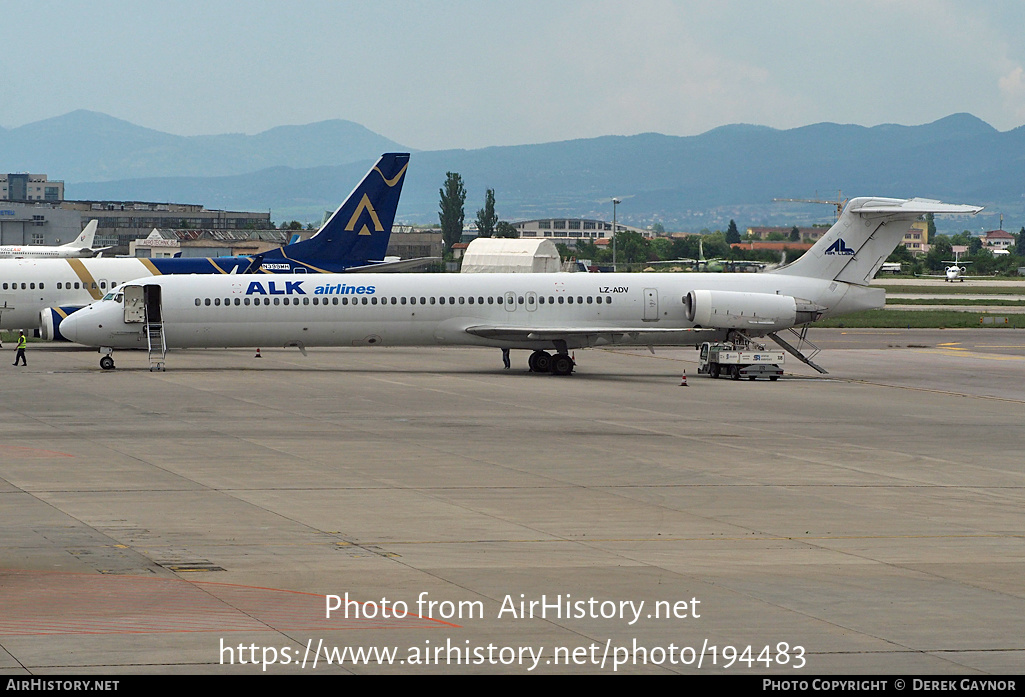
[997, 239]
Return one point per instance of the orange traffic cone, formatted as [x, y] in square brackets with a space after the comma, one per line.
[683, 381]
[257, 354]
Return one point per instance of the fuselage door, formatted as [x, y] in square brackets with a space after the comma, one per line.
[153, 312]
[650, 304]
[135, 305]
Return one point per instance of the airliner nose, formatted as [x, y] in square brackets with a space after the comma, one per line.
[69, 327]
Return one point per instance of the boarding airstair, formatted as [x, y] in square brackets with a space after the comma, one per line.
[156, 345]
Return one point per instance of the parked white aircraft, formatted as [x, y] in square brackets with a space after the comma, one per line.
[79, 248]
[542, 312]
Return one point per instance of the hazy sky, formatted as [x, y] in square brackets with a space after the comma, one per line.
[473, 73]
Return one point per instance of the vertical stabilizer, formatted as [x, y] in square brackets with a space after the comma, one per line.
[84, 240]
[359, 230]
[868, 231]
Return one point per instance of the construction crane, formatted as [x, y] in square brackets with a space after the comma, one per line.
[840, 202]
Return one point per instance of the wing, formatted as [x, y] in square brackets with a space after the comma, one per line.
[611, 334]
[392, 266]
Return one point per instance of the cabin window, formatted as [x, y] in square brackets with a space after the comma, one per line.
[206, 302]
[238, 301]
[441, 300]
[197, 302]
[561, 300]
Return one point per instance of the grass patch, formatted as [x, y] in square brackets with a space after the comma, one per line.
[920, 319]
[955, 301]
[943, 288]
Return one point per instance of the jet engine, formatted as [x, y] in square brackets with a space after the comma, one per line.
[50, 319]
[725, 309]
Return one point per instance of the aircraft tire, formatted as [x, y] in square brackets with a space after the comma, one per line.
[540, 362]
[107, 363]
[562, 365]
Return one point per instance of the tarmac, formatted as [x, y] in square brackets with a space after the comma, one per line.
[481, 520]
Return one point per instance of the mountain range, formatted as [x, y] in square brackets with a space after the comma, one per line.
[685, 183]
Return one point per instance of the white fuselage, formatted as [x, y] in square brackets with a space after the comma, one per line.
[508, 310]
[41, 252]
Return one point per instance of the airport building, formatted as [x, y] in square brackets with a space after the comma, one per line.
[569, 231]
[121, 222]
[207, 243]
[38, 224]
[30, 187]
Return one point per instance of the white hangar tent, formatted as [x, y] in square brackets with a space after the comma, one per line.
[504, 255]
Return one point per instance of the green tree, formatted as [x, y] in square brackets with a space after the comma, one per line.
[631, 247]
[486, 216]
[451, 215]
[1019, 244]
[732, 234]
[505, 229]
[940, 253]
[795, 234]
[931, 227]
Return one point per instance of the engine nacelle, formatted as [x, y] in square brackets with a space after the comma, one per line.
[50, 319]
[726, 309]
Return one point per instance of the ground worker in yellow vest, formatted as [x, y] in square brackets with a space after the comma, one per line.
[22, 343]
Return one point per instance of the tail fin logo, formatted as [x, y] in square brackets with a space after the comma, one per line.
[365, 205]
[394, 180]
[840, 248]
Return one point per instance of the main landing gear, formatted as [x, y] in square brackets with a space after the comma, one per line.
[544, 362]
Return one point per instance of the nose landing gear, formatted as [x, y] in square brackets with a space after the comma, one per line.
[107, 361]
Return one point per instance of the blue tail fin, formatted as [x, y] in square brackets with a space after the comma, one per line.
[359, 230]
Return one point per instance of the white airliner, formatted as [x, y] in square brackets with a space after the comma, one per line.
[79, 248]
[540, 312]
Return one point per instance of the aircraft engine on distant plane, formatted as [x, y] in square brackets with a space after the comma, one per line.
[50, 319]
[725, 309]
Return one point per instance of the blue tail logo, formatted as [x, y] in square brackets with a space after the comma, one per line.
[358, 232]
[839, 248]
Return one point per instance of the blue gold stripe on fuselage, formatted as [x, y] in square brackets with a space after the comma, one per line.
[88, 282]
